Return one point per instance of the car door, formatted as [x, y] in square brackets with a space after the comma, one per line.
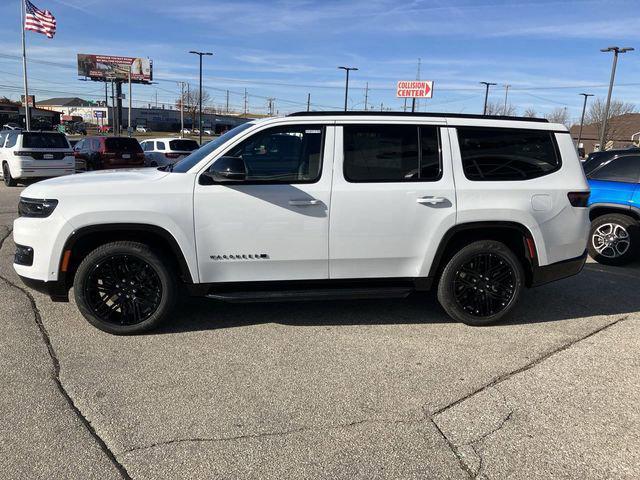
[274, 224]
[392, 201]
[616, 181]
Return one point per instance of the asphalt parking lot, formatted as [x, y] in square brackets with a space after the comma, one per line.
[353, 389]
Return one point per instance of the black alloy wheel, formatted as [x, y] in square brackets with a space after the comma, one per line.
[481, 283]
[124, 287]
[484, 285]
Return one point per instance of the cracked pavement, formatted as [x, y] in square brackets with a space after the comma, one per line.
[360, 389]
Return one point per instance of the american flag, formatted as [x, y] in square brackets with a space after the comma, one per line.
[40, 21]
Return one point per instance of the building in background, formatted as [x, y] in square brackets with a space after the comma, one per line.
[621, 130]
[41, 119]
[156, 119]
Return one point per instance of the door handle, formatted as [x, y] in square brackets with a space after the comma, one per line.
[431, 200]
[304, 203]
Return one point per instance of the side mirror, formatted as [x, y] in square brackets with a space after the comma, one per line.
[226, 170]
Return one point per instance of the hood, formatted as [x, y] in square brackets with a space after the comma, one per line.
[91, 182]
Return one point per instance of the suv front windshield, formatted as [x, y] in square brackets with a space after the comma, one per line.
[188, 162]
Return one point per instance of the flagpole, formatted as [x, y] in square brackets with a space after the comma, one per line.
[27, 114]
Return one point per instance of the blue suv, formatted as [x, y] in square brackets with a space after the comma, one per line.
[614, 178]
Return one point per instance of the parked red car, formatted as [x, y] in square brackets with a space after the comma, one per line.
[99, 153]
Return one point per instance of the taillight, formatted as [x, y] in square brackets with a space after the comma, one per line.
[172, 155]
[578, 199]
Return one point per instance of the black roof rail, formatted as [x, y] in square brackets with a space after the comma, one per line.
[414, 114]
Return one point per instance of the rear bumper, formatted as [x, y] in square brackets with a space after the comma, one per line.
[558, 271]
[57, 290]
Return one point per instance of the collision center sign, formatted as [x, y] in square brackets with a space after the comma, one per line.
[414, 89]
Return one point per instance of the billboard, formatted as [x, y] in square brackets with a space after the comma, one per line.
[107, 68]
[414, 89]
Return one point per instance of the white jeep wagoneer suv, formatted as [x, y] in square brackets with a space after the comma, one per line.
[317, 206]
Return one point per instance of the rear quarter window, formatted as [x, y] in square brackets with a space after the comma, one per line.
[506, 154]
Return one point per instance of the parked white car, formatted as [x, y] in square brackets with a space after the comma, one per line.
[160, 152]
[141, 129]
[317, 206]
[27, 155]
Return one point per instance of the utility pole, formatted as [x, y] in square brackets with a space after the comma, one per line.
[381, 106]
[227, 101]
[346, 87]
[486, 94]
[308, 102]
[404, 108]
[366, 96]
[129, 127]
[414, 104]
[245, 101]
[181, 109]
[113, 110]
[506, 95]
[616, 51]
[584, 109]
[200, 55]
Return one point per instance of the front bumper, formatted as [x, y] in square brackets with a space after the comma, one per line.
[558, 270]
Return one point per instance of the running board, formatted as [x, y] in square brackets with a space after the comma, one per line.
[308, 295]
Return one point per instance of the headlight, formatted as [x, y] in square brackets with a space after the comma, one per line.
[32, 207]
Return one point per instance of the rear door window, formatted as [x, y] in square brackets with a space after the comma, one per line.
[504, 154]
[44, 140]
[391, 153]
[621, 169]
[160, 146]
[12, 138]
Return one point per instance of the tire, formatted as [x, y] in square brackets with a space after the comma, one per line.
[9, 181]
[464, 291]
[614, 239]
[140, 303]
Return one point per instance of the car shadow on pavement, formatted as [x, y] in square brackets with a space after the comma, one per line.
[598, 290]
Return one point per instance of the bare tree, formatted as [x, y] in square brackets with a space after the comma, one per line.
[558, 115]
[191, 100]
[497, 108]
[530, 113]
[595, 115]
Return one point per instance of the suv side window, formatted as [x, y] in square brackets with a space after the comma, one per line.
[3, 137]
[288, 154]
[12, 138]
[621, 169]
[160, 146]
[147, 146]
[494, 154]
[391, 153]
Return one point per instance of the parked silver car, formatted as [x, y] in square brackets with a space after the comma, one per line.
[159, 152]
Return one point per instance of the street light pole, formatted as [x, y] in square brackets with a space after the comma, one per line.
[346, 87]
[200, 55]
[584, 109]
[616, 51]
[486, 95]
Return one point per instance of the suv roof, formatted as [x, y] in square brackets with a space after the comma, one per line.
[342, 113]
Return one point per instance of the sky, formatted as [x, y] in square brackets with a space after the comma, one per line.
[548, 51]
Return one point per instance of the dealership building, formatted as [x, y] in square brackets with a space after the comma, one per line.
[157, 119]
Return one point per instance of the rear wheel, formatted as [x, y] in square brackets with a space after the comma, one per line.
[9, 181]
[614, 239]
[481, 283]
[124, 288]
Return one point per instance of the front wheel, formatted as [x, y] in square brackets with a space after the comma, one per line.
[481, 283]
[124, 288]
